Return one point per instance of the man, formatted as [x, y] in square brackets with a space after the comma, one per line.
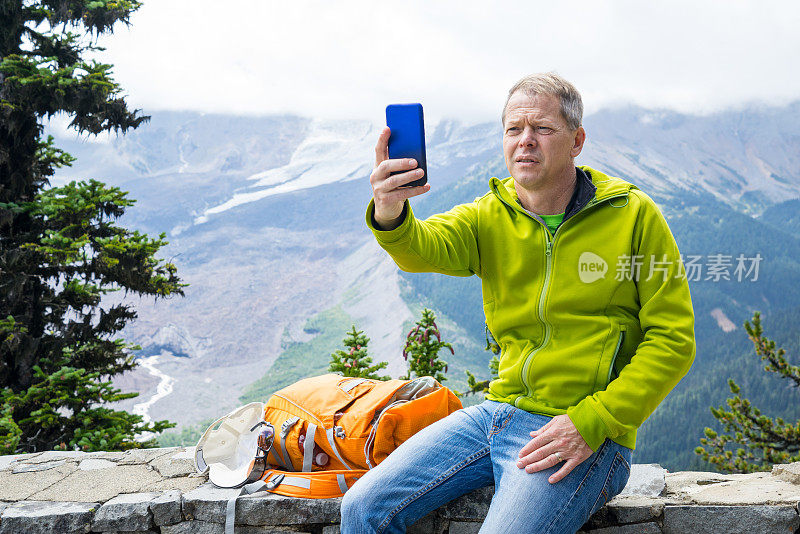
[585, 293]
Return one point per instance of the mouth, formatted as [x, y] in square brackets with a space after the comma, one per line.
[526, 159]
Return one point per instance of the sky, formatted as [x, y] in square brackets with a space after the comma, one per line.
[349, 59]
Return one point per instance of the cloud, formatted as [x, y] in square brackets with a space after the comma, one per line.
[349, 59]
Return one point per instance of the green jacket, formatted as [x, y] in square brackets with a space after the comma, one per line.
[579, 332]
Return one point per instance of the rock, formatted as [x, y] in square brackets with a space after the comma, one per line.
[184, 484]
[176, 465]
[271, 509]
[90, 464]
[49, 456]
[100, 485]
[17, 487]
[635, 509]
[129, 511]
[729, 519]
[7, 460]
[645, 479]
[641, 528]
[143, 456]
[166, 508]
[31, 468]
[194, 527]
[34, 517]
[331, 529]
[788, 472]
[470, 507]
[432, 523]
[464, 527]
[208, 503]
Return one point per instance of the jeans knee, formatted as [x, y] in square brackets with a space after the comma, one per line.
[355, 508]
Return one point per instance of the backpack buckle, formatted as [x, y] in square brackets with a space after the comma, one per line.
[275, 481]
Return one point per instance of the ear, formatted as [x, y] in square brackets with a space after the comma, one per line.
[580, 138]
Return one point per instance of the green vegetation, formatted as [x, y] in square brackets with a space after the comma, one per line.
[59, 249]
[302, 359]
[355, 362]
[760, 441]
[422, 347]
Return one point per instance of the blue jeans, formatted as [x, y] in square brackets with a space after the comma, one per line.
[476, 447]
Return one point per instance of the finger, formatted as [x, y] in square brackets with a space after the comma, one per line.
[382, 148]
[542, 428]
[566, 469]
[408, 192]
[534, 444]
[549, 461]
[400, 180]
[538, 455]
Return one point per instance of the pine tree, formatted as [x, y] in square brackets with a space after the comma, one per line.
[761, 441]
[421, 351]
[355, 362]
[59, 249]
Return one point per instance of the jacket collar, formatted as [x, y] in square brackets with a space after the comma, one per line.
[592, 186]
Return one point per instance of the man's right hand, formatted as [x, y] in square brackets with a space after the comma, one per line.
[386, 188]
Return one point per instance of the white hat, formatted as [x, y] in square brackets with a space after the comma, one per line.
[229, 450]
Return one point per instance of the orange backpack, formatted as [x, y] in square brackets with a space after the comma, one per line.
[330, 429]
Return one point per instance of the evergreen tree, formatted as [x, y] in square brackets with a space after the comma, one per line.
[59, 249]
[762, 441]
[421, 351]
[355, 362]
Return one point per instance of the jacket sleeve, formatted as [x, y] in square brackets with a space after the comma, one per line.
[445, 243]
[667, 349]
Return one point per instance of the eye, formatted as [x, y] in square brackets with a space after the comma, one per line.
[512, 129]
[545, 129]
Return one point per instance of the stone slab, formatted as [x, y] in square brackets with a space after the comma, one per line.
[184, 484]
[129, 511]
[7, 460]
[32, 468]
[464, 527]
[92, 464]
[174, 465]
[470, 507]
[21, 486]
[787, 472]
[737, 489]
[144, 456]
[49, 456]
[36, 517]
[641, 528]
[101, 485]
[208, 503]
[166, 508]
[645, 479]
[635, 509]
[729, 519]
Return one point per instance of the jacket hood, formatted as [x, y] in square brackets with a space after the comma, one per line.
[607, 187]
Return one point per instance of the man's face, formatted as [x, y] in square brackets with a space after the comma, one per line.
[538, 144]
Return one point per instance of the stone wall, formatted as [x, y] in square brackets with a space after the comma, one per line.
[156, 491]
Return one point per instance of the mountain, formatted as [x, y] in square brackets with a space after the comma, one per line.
[265, 221]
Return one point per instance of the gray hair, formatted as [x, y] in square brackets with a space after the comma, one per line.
[550, 83]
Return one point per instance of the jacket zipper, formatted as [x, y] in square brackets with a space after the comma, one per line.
[543, 295]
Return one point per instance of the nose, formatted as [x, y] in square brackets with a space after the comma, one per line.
[528, 138]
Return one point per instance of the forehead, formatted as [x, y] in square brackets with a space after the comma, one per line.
[537, 107]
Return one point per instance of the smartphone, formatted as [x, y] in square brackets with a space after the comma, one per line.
[407, 139]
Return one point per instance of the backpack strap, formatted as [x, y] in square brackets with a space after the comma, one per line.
[260, 485]
[308, 447]
[287, 425]
[332, 443]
